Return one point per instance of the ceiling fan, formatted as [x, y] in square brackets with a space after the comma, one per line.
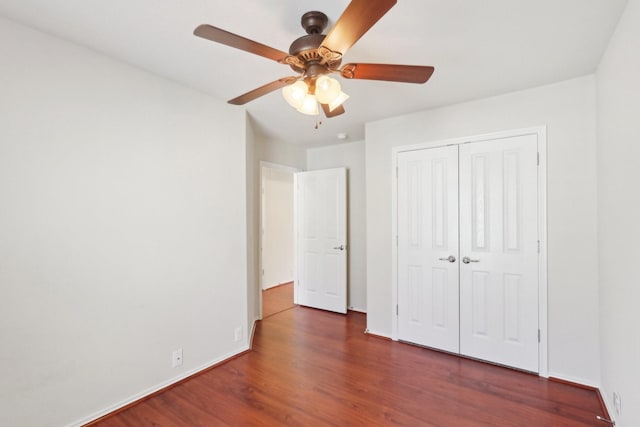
[315, 56]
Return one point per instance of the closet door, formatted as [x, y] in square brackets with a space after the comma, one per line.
[428, 247]
[499, 251]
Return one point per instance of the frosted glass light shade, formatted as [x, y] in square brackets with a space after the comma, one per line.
[327, 89]
[295, 93]
[309, 106]
[338, 101]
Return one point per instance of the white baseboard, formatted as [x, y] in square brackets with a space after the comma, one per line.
[253, 331]
[359, 310]
[376, 333]
[265, 287]
[576, 380]
[604, 395]
[155, 388]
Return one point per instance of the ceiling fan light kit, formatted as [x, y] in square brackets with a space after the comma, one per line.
[295, 93]
[305, 95]
[309, 105]
[314, 56]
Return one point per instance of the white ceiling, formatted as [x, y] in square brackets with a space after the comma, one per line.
[479, 48]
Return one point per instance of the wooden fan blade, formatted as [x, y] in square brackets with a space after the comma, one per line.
[336, 111]
[233, 40]
[355, 21]
[388, 72]
[262, 90]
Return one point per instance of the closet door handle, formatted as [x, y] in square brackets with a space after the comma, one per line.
[467, 260]
[450, 258]
[341, 247]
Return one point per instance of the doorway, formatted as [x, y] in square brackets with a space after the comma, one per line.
[303, 239]
[276, 238]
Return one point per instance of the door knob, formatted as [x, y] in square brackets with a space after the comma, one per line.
[467, 260]
[450, 258]
[341, 247]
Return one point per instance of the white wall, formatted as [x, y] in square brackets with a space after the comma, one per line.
[619, 211]
[122, 230]
[350, 156]
[281, 153]
[568, 109]
[277, 227]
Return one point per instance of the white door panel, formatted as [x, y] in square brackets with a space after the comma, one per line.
[427, 236]
[321, 226]
[498, 233]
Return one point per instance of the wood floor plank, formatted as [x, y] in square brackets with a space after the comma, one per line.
[277, 299]
[313, 368]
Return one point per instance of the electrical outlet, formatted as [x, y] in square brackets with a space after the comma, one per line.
[238, 334]
[617, 403]
[176, 358]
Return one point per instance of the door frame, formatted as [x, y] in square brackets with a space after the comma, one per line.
[541, 134]
[266, 165]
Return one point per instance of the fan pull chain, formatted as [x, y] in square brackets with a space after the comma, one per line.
[318, 124]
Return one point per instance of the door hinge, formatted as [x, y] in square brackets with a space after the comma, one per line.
[538, 246]
[397, 310]
[538, 335]
[396, 240]
[396, 171]
[538, 159]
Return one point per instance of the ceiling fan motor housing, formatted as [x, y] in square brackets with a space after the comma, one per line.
[314, 22]
[306, 47]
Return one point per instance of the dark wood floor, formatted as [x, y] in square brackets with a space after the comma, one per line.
[277, 299]
[315, 368]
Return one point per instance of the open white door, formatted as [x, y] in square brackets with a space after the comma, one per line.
[321, 239]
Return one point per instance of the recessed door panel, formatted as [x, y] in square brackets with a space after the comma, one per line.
[512, 299]
[479, 304]
[440, 282]
[479, 202]
[415, 289]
